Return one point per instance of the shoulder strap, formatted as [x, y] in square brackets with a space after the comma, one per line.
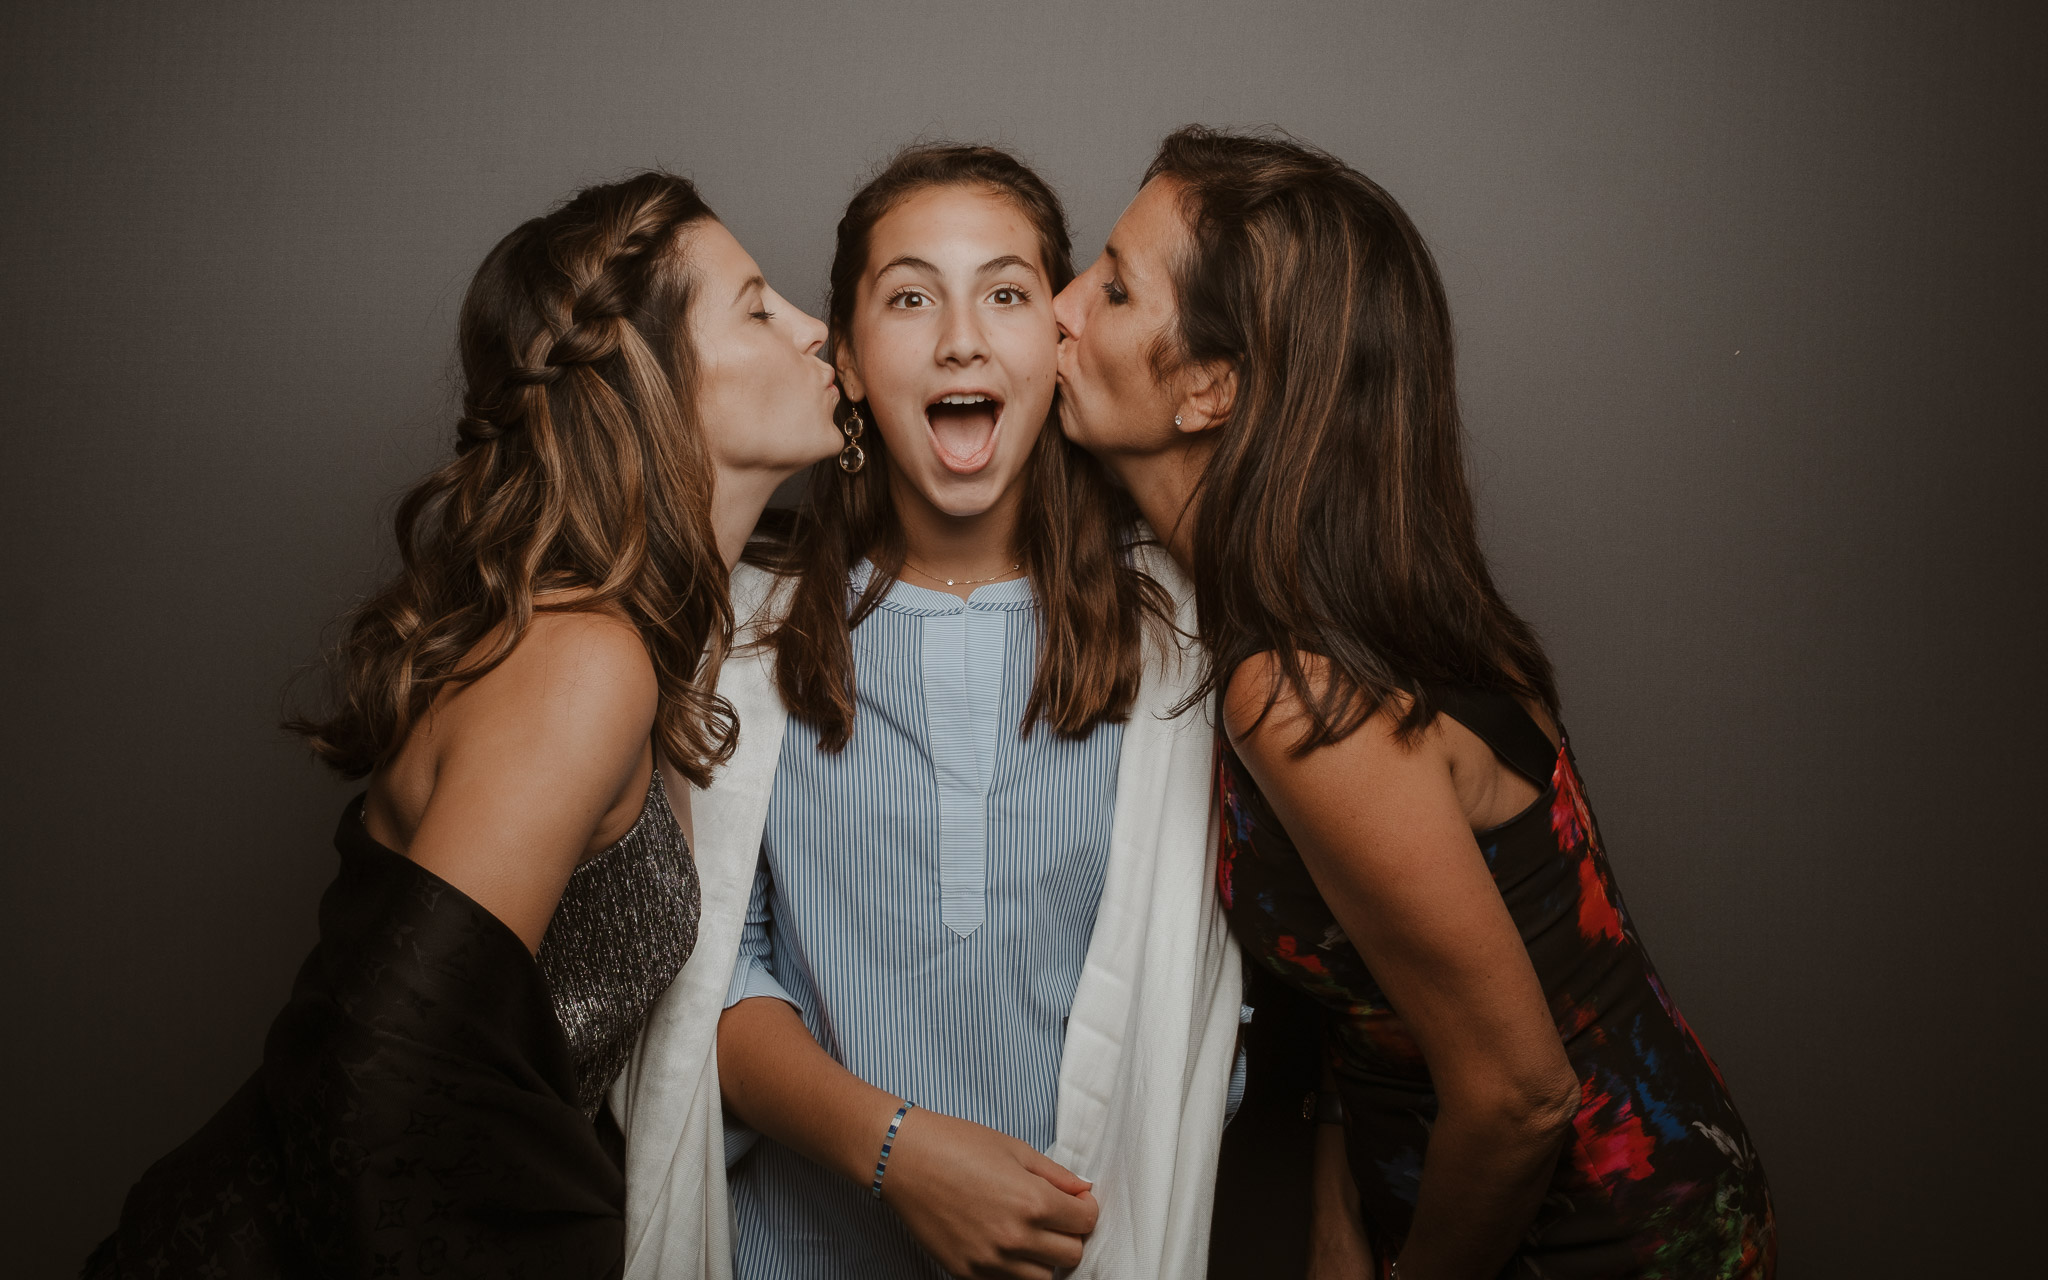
[1502, 723]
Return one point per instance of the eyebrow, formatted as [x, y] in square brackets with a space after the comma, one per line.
[906, 261]
[1008, 261]
[752, 282]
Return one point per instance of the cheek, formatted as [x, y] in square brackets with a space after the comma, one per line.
[1114, 363]
[1102, 353]
[887, 356]
[755, 377]
[1033, 357]
[902, 431]
[715, 388]
[1127, 388]
[728, 367]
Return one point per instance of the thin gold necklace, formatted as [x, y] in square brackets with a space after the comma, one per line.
[961, 582]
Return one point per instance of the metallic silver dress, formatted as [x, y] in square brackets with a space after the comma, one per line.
[626, 923]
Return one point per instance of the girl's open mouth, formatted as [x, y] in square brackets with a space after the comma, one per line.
[963, 428]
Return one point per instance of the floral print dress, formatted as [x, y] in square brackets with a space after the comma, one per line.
[1659, 1181]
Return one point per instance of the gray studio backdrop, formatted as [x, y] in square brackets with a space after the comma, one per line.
[1745, 292]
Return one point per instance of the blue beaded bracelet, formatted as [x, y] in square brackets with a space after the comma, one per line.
[888, 1141]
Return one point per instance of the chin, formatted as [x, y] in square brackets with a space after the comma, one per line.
[965, 497]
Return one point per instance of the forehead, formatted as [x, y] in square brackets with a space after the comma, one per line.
[954, 227]
[1153, 227]
[715, 255]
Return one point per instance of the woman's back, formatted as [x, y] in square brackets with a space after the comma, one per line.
[511, 781]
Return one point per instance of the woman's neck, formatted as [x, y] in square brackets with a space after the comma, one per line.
[1163, 486]
[737, 500]
[968, 550]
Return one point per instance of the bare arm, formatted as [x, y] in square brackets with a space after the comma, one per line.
[1382, 830]
[1337, 1249]
[981, 1202]
[519, 776]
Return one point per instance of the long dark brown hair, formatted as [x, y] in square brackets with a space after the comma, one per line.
[578, 465]
[1334, 518]
[1075, 531]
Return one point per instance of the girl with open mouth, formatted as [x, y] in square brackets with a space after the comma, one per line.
[956, 871]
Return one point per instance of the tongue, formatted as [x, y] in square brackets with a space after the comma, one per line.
[963, 433]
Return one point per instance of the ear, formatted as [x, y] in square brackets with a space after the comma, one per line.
[1210, 394]
[849, 373]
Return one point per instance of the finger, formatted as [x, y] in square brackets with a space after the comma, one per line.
[1051, 1249]
[1068, 1215]
[1013, 1269]
[1056, 1173]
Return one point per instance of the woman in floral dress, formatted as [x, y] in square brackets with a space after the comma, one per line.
[1263, 356]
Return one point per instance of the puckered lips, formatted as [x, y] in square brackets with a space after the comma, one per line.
[963, 425]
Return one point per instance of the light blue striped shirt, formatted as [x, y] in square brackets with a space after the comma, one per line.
[926, 899]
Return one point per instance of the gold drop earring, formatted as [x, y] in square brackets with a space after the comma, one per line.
[852, 458]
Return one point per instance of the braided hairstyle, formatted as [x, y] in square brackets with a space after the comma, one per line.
[579, 464]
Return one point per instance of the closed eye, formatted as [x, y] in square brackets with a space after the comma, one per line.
[1113, 289]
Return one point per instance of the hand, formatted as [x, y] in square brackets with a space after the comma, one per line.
[984, 1205]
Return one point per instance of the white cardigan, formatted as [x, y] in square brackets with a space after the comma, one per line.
[1150, 1040]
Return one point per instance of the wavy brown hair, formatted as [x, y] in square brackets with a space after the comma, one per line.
[1075, 534]
[578, 466]
[1334, 518]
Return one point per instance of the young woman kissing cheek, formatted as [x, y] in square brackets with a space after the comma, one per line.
[953, 352]
[764, 397]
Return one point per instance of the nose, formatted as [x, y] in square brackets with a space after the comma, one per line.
[961, 340]
[810, 331]
[1066, 310]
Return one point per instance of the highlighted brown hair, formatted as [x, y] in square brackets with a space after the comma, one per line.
[578, 465]
[1334, 517]
[1075, 532]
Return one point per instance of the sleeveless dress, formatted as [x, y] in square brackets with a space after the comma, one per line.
[425, 1101]
[625, 924]
[1659, 1179]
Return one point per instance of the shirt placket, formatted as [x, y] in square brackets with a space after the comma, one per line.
[963, 686]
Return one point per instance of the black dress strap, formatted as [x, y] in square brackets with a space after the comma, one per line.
[1503, 723]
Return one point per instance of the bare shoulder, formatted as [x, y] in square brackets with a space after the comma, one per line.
[1258, 700]
[584, 672]
[585, 643]
[527, 769]
[580, 654]
[1265, 716]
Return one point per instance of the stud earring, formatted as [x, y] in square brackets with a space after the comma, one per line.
[1176, 419]
[852, 458]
